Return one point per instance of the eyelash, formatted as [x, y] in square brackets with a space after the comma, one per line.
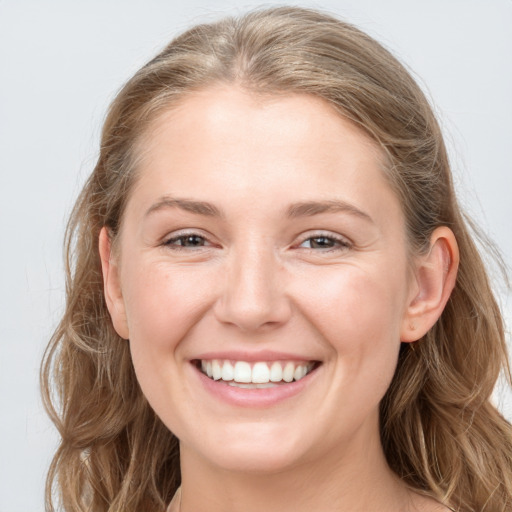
[182, 237]
[337, 242]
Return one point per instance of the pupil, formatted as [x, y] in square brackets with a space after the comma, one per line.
[321, 242]
[193, 240]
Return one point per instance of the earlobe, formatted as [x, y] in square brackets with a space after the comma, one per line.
[112, 285]
[435, 276]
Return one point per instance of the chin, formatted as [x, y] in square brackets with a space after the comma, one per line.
[260, 449]
[256, 462]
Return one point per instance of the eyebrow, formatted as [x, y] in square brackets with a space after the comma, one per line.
[189, 205]
[302, 209]
[310, 208]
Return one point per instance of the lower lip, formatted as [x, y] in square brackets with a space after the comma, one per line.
[257, 397]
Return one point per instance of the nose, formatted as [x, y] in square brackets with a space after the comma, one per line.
[253, 295]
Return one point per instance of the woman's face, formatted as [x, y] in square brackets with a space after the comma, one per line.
[260, 242]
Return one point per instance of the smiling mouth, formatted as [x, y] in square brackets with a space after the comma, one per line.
[263, 374]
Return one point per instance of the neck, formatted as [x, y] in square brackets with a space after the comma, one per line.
[354, 479]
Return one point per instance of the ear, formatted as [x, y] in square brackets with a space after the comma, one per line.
[435, 276]
[112, 285]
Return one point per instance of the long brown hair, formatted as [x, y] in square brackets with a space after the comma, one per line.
[440, 433]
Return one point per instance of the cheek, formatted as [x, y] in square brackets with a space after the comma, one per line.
[358, 313]
[355, 301]
[163, 304]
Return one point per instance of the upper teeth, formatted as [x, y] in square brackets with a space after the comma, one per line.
[257, 373]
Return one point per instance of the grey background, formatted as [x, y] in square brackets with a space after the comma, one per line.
[61, 63]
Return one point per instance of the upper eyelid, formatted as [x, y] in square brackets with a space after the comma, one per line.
[177, 235]
[326, 234]
[186, 232]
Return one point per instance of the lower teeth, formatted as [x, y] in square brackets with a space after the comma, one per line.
[252, 386]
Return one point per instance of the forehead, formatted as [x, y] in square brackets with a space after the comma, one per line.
[290, 116]
[225, 140]
[227, 116]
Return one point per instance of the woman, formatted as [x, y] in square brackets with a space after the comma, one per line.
[273, 300]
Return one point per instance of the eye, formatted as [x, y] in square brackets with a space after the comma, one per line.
[325, 242]
[186, 241]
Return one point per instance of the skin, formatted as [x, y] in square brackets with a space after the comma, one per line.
[257, 279]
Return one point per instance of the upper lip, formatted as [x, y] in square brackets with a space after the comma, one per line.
[253, 356]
